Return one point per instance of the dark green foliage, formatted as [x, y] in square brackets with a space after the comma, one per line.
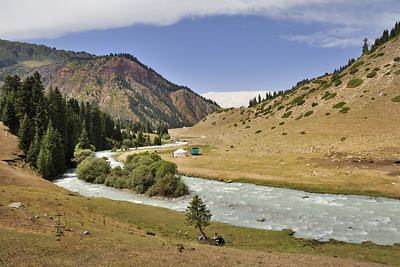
[258, 131]
[353, 70]
[338, 82]
[298, 101]
[354, 83]
[371, 74]
[144, 173]
[356, 65]
[197, 214]
[328, 95]
[308, 113]
[286, 115]
[91, 168]
[314, 104]
[397, 72]
[344, 110]
[299, 117]
[33, 151]
[25, 134]
[376, 69]
[282, 123]
[81, 154]
[339, 105]
[51, 158]
[396, 99]
[396, 59]
[48, 126]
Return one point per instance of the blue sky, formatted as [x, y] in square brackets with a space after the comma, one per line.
[209, 46]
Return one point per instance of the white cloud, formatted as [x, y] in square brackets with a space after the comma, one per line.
[234, 99]
[343, 37]
[28, 19]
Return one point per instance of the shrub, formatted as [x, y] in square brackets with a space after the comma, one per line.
[367, 69]
[314, 104]
[280, 107]
[344, 110]
[352, 71]
[81, 154]
[396, 99]
[397, 72]
[298, 101]
[327, 114]
[299, 117]
[354, 83]
[284, 133]
[355, 65]
[387, 65]
[328, 95]
[396, 59]
[338, 82]
[286, 115]
[305, 87]
[247, 127]
[371, 74]
[376, 69]
[339, 105]
[258, 131]
[308, 113]
[91, 168]
[379, 55]
[282, 123]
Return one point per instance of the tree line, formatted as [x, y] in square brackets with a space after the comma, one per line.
[50, 127]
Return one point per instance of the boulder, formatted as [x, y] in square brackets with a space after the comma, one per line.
[17, 205]
[260, 219]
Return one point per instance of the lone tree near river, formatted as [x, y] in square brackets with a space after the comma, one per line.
[197, 214]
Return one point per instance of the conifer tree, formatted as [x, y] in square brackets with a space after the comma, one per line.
[197, 214]
[25, 134]
[34, 151]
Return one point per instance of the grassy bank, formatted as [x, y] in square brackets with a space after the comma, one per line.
[118, 226]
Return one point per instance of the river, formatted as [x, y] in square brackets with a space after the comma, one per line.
[347, 218]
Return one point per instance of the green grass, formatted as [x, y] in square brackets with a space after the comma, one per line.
[354, 83]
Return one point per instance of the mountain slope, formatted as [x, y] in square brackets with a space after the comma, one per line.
[119, 84]
[330, 134]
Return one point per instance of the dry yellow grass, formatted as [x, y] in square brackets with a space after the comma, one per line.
[117, 230]
[354, 152]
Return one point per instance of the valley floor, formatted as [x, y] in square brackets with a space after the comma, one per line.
[121, 233]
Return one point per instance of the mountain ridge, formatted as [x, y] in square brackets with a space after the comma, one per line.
[120, 84]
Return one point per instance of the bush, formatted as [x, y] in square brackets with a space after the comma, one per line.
[397, 72]
[81, 154]
[376, 69]
[282, 123]
[299, 117]
[314, 104]
[258, 131]
[308, 113]
[344, 110]
[396, 99]
[354, 83]
[339, 105]
[338, 82]
[91, 168]
[328, 95]
[371, 74]
[396, 59]
[352, 71]
[286, 115]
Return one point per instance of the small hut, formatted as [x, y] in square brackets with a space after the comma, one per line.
[194, 151]
[180, 153]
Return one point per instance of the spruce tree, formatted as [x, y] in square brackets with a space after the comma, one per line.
[34, 151]
[25, 134]
[197, 214]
